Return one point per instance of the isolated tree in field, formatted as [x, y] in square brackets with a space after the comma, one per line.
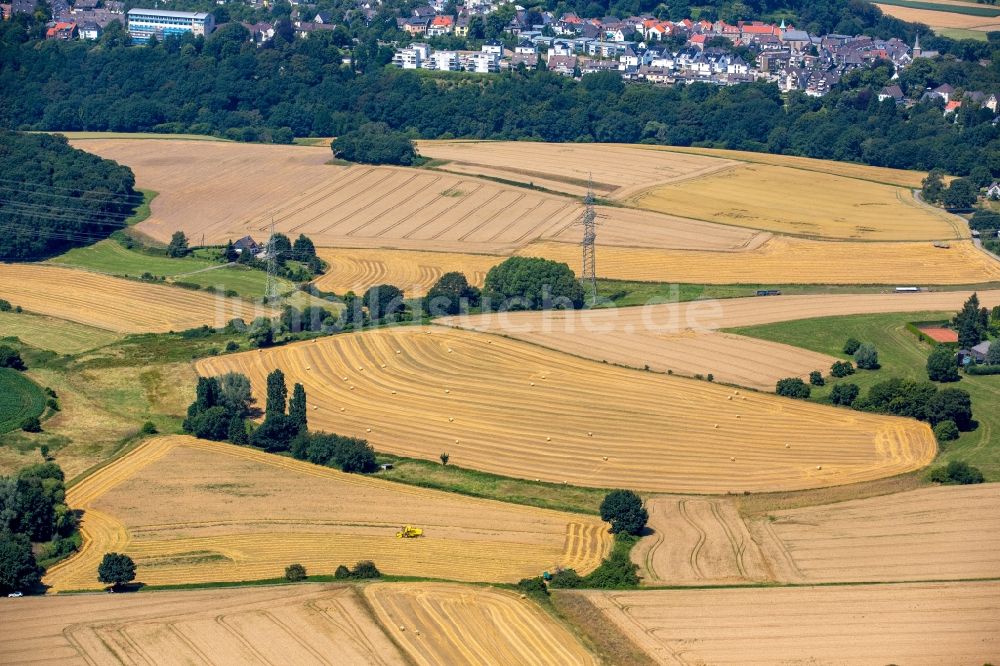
[11, 358]
[816, 378]
[277, 394]
[531, 283]
[793, 387]
[31, 424]
[444, 458]
[178, 246]
[447, 294]
[851, 346]
[866, 357]
[295, 573]
[18, 569]
[116, 569]
[942, 365]
[383, 300]
[951, 404]
[624, 510]
[844, 394]
[841, 369]
[297, 407]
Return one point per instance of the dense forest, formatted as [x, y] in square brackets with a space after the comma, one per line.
[226, 86]
[53, 197]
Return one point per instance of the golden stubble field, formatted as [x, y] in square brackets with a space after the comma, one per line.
[516, 409]
[920, 623]
[936, 19]
[194, 511]
[937, 533]
[439, 623]
[302, 624]
[787, 200]
[684, 337]
[787, 260]
[115, 304]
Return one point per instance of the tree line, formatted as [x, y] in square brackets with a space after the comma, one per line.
[224, 85]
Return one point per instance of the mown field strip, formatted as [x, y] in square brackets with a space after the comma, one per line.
[238, 514]
[516, 409]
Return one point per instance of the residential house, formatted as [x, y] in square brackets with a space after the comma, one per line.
[443, 61]
[893, 92]
[952, 106]
[562, 64]
[529, 60]
[440, 25]
[493, 47]
[480, 62]
[89, 30]
[323, 17]
[246, 243]
[943, 92]
[305, 28]
[61, 30]
[526, 48]
[993, 191]
[462, 26]
[415, 25]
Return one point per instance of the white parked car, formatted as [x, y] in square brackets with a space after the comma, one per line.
[15, 595]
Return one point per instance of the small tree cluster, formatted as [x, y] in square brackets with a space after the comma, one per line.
[841, 369]
[348, 454]
[844, 394]
[451, 295]
[816, 378]
[363, 570]
[220, 408]
[919, 400]
[383, 301]
[942, 365]
[295, 573]
[530, 283]
[946, 431]
[279, 428]
[116, 569]
[851, 346]
[957, 473]
[11, 358]
[375, 143]
[972, 323]
[178, 246]
[793, 387]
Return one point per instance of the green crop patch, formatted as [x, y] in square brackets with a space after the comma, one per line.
[20, 398]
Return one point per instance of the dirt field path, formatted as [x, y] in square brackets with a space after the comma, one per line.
[114, 304]
[190, 510]
[516, 409]
[922, 623]
[698, 542]
[459, 624]
[302, 624]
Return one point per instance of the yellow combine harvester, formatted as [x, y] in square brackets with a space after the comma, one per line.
[409, 532]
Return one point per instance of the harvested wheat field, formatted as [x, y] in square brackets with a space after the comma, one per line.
[791, 201]
[900, 177]
[698, 541]
[683, 337]
[939, 533]
[226, 190]
[516, 409]
[194, 511]
[116, 304]
[785, 260]
[462, 624]
[413, 272]
[921, 623]
[938, 19]
[612, 169]
[301, 624]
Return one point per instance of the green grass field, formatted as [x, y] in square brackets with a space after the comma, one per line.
[901, 355]
[58, 335]
[961, 33]
[20, 398]
[110, 257]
